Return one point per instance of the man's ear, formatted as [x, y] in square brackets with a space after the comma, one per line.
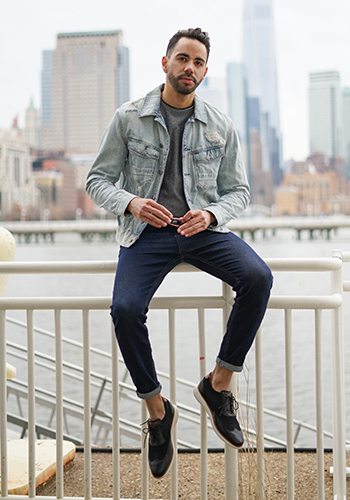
[165, 64]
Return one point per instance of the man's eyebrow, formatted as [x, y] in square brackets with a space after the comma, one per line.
[186, 55]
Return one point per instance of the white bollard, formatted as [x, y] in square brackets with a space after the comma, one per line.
[7, 254]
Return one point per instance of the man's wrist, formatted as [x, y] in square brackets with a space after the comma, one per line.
[213, 221]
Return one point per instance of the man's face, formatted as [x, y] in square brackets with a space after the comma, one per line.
[186, 67]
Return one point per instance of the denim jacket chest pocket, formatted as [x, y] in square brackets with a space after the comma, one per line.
[142, 163]
[207, 163]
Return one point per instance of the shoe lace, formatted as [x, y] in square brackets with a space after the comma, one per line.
[154, 431]
[230, 405]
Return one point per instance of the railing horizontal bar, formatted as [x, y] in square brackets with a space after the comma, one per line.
[306, 302]
[306, 264]
[214, 302]
[58, 267]
[345, 256]
[77, 267]
[72, 267]
[45, 303]
[97, 303]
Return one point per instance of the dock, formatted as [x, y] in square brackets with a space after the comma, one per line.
[103, 230]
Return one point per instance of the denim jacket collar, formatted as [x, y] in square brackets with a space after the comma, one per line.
[151, 105]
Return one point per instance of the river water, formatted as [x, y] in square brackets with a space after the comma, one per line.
[283, 244]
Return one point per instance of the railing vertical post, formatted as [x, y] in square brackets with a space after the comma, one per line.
[31, 403]
[319, 405]
[87, 405]
[204, 428]
[289, 404]
[7, 253]
[115, 412]
[3, 405]
[144, 454]
[231, 455]
[339, 449]
[59, 404]
[173, 397]
[259, 415]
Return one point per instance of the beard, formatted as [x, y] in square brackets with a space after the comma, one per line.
[182, 88]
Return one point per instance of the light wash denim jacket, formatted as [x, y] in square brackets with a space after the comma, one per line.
[132, 157]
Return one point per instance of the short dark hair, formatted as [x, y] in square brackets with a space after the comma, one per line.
[195, 33]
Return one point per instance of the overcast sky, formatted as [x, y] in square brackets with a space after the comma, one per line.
[311, 35]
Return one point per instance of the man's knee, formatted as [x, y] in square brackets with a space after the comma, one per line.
[125, 310]
[263, 278]
[257, 279]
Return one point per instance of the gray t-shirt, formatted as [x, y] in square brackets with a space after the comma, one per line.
[172, 194]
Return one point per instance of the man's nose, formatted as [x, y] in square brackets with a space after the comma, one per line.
[189, 68]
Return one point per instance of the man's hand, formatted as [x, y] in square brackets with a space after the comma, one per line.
[150, 211]
[195, 221]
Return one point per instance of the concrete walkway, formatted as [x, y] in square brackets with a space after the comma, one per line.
[45, 454]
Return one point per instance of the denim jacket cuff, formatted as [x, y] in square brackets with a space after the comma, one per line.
[124, 202]
[216, 212]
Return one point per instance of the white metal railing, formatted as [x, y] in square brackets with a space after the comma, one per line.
[331, 301]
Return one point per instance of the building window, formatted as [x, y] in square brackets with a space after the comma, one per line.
[54, 193]
[16, 171]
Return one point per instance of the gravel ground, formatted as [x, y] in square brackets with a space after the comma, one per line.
[189, 477]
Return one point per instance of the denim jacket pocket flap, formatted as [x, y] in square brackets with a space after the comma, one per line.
[143, 149]
[209, 154]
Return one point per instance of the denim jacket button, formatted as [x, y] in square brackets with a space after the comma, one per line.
[160, 172]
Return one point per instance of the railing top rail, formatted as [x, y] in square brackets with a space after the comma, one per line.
[208, 302]
[98, 303]
[346, 256]
[77, 267]
[304, 264]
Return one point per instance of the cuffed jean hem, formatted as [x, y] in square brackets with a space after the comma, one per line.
[148, 395]
[233, 368]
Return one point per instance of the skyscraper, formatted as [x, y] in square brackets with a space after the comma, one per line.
[325, 113]
[46, 87]
[83, 81]
[346, 128]
[259, 59]
[238, 105]
[32, 126]
[213, 90]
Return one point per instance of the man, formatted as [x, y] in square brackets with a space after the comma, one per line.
[181, 179]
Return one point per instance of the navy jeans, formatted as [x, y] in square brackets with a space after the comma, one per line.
[141, 270]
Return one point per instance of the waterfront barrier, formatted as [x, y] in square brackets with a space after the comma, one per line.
[104, 230]
[331, 301]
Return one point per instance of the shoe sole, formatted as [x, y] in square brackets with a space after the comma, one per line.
[172, 437]
[198, 395]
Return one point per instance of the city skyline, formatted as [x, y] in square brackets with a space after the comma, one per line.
[259, 60]
[300, 45]
[87, 79]
[325, 111]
